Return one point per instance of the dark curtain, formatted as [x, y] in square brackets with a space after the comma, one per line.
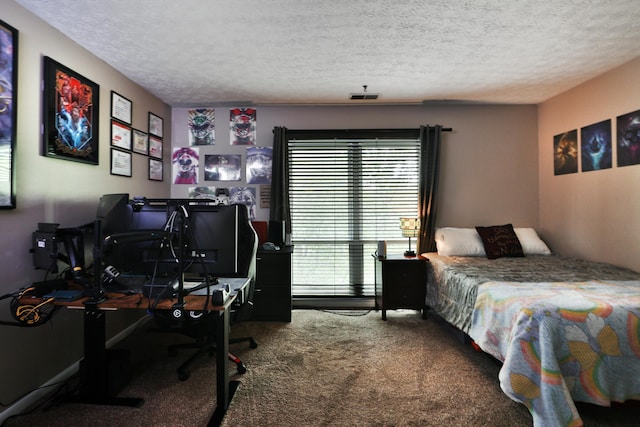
[429, 170]
[279, 205]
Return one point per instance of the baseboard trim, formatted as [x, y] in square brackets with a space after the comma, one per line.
[334, 303]
[45, 390]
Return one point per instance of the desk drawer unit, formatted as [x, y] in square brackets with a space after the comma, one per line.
[272, 295]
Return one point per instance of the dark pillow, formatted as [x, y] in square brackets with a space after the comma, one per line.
[500, 241]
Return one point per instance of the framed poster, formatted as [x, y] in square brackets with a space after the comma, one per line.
[120, 162]
[140, 142]
[120, 135]
[121, 108]
[156, 124]
[155, 170]
[595, 143]
[8, 113]
[71, 111]
[628, 141]
[155, 147]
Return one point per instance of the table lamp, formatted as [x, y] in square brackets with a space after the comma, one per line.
[410, 228]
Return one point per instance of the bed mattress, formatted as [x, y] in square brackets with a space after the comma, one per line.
[453, 282]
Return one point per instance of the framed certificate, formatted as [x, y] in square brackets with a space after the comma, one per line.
[120, 108]
[156, 124]
[140, 142]
[155, 169]
[120, 135]
[120, 162]
[155, 147]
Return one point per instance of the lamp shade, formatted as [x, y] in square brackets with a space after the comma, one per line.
[409, 226]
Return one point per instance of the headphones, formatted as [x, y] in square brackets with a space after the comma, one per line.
[29, 314]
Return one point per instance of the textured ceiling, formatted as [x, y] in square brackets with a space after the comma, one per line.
[207, 53]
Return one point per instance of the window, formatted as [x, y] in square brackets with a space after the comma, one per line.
[347, 192]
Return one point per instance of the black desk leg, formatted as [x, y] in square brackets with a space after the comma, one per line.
[94, 387]
[224, 388]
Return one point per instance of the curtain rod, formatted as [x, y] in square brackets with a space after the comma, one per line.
[365, 130]
[356, 133]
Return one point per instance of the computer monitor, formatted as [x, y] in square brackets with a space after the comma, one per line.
[148, 246]
[212, 240]
[114, 213]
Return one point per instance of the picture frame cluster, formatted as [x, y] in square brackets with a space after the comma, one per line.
[127, 140]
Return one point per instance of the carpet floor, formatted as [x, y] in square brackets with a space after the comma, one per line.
[325, 368]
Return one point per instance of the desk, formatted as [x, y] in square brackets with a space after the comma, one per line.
[95, 353]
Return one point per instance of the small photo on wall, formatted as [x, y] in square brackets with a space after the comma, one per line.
[185, 161]
[628, 126]
[565, 153]
[222, 167]
[207, 193]
[202, 127]
[259, 161]
[595, 143]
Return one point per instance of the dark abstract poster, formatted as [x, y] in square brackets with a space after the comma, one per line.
[565, 153]
[595, 143]
[629, 139]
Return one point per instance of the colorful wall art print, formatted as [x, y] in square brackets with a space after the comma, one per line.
[71, 114]
[8, 113]
[185, 161]
[628, 126]
[259, 161]
[565, 153]
[595, 143]
[202, 127]
[222, 167]
[242, 126]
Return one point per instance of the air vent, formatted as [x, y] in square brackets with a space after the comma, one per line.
[358, 96]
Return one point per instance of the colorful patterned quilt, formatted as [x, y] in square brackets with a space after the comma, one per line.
[562, 342]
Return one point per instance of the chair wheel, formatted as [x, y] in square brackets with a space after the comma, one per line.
[241, 368]
[253, 344]
[183, 375]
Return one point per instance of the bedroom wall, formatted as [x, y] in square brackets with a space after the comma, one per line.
[596, 214]
[489, 160]
[57, 191]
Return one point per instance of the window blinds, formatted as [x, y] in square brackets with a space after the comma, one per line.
[345, 195]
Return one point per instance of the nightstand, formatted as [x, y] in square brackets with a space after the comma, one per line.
[401, 283]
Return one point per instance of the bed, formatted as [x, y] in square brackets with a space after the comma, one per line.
[564, 329]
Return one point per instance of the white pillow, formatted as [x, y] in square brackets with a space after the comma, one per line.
[531, 243]
[453, 241]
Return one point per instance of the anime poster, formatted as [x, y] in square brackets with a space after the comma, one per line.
[259, 161]
[222, 167]
[629, 139]
[242, 126]
[244, 196]
[595, 142]
[185, 161]
[565, 153]
[202, 128]
[71, 113]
